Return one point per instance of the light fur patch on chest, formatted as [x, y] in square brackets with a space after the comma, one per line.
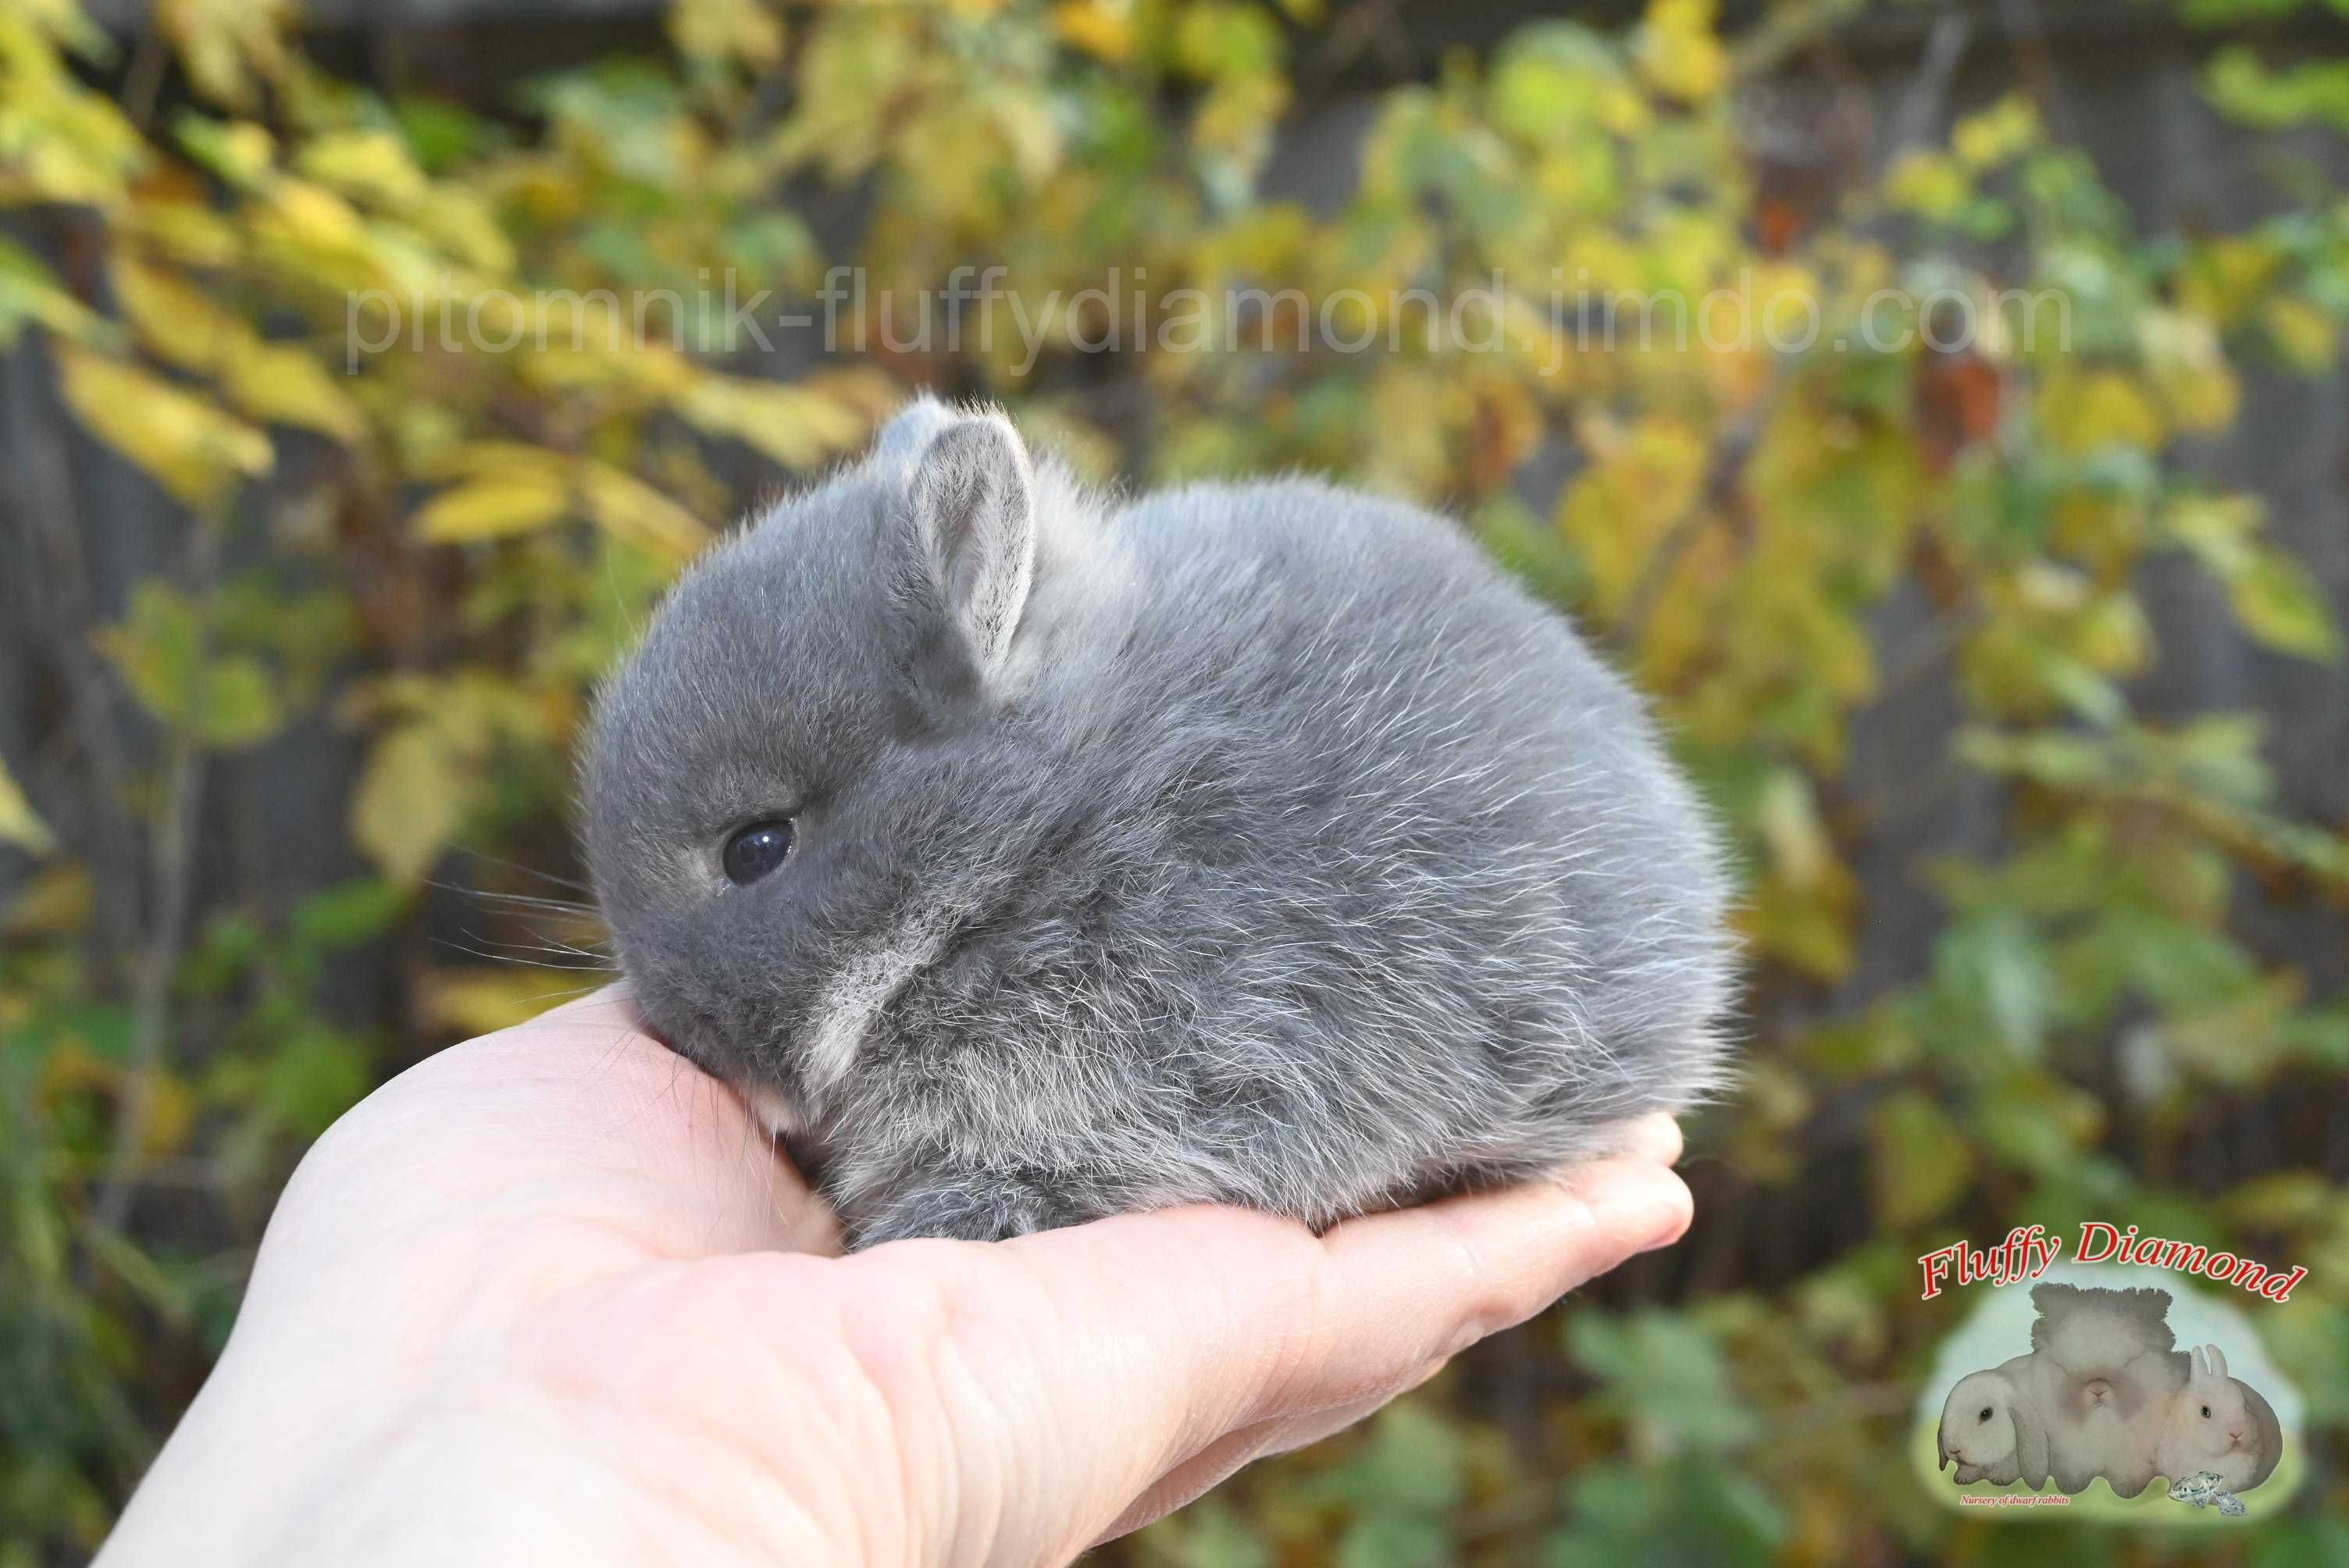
[844, 1013]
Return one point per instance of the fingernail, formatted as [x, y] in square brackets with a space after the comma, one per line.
[1656, 1211]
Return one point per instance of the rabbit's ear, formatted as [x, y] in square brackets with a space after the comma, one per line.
[910, 430]
[975, 514]
[2030, 1441]
[2218, 1362]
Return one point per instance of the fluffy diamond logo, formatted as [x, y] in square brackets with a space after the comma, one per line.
[2088, 1389]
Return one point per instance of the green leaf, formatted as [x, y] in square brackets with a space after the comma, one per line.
[2279, 602]
[1992, 966]
[1920, 1159]
[2241, 88]
[348, 913]
[315, 1076]
[225, 699]
[1666, 1373]
[1695, 1512]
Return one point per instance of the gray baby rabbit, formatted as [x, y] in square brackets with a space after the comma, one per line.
[1029, 857]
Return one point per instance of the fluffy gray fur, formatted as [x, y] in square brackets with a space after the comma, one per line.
[1254, 844]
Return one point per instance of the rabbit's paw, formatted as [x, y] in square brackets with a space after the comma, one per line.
[983, 1208]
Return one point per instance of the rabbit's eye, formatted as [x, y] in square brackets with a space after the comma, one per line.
[2206, 1412]
[756, 850]
[1985, 1413]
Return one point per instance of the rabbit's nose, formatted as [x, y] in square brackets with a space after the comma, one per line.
[2234, 1434]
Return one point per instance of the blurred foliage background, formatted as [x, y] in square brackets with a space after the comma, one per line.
[2009, 656]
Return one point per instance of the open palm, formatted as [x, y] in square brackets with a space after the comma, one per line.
[551, 1296]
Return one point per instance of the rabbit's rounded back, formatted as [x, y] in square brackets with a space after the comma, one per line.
[2266, 1445]
[1257, 843]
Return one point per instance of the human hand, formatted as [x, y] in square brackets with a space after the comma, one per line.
[551, 1296]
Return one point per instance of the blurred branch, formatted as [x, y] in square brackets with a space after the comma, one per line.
[1722, 478]
[50, 508]
[172, 875]
[152, 985]
[1362, 26]
[1923, 100]
[144, 80]
[2027, 31]
[1785, 31]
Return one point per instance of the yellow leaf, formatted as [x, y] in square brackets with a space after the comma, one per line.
[634, 511]
[2086, 413]
[62, 23]
[481, 1000]
[55, 900]
[29, 292]
[190, 448]
[726, 29]
[795, 426]
[176, 319]
[1997, 133]
[2225, 277]
[464, 226]
[189, 232]
[285, 385]
[2188, 369]
[497, 460]
[1787, 819]
[1641, 485]
[314, 215]
[2280, 603]
[1101, 28]
[19, 824]
[273, 382]
[1930, 184]
[226, 44]
[2307, 334]
[2219, 530]
[410, 801]
[495, 508]
[170, 1114]
[1679, 52]
[60, 141]
[372, 164]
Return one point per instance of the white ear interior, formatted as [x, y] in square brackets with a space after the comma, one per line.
[975, 510]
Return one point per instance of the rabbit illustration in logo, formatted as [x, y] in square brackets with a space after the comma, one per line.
[1992, 1431]
[2104, 1372]
[2104, 1393]
[2217, 1424]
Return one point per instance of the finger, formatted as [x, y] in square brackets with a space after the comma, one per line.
[1159, 1334]
[1438, 1278]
